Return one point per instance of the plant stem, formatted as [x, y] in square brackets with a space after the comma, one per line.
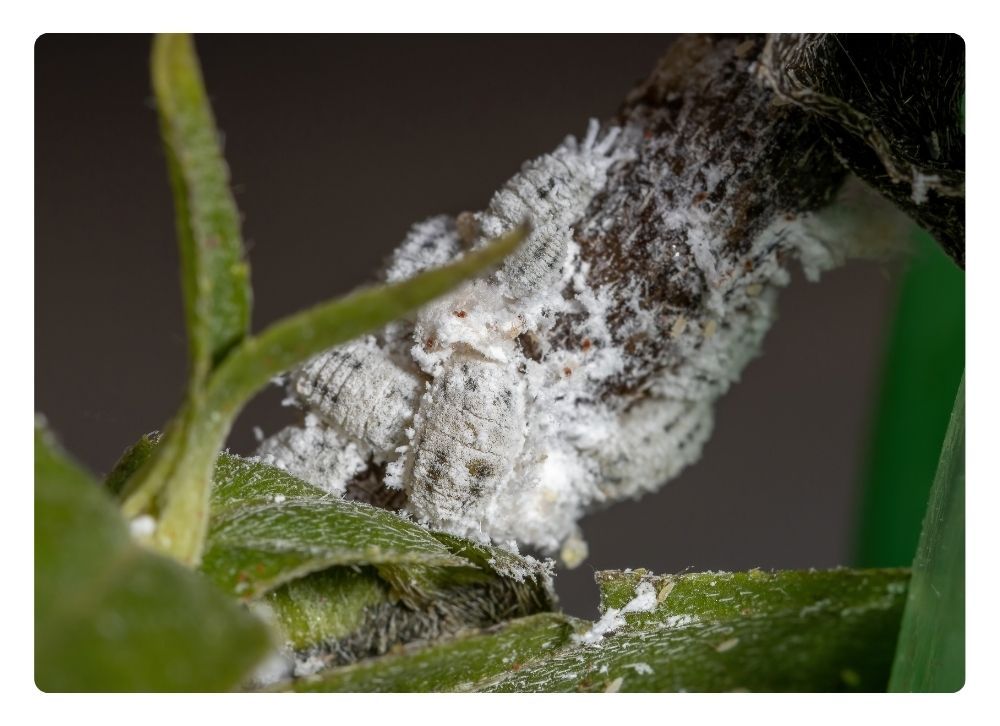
[175, 484]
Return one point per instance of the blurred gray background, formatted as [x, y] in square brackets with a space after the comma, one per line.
[336, 145]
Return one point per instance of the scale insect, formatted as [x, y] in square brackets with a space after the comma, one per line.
[496, 412]
[552, 191]
[342, 385]
[467, 435]
[586, 370]
[446, 402]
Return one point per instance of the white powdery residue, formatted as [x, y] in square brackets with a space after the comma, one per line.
[528, 568]
[316, 454]
[342, 386]
[308, 665]
[474, 316]
[603, 363]
[470, 430]
[703, 246]
[651, 443]
[613, 619]
[715, 174]
[510, 435]
[642, 669]
[679, 621]
[820, 247]
[922, 184]
[142, 527]
[642, 320]
[476, 462]
[543, 504]
[395, 471]
[431, 243]
[859, 223]
[695, 225]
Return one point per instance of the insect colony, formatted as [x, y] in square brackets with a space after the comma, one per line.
[478, 419]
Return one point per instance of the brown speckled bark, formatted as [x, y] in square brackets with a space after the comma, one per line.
[714, 144]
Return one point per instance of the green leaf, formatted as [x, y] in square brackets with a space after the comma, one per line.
[715, 631]
[269, 528]
[325, 607]
[240, 482]
[228, 367]
[931, 653]
[111, 616]
[452, 665]
[215, 275]
[502, 562]
[922, 368]
[343, 615]
[173, 484]
[255, 549]
[343, 581]
[132, 459]
[783, 631]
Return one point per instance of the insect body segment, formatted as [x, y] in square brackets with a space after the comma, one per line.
[431, 243]
[360, 389]
[319, 454]
[468, 434]
[552, 192]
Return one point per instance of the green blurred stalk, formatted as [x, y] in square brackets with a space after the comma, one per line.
[922, 370]
[930, 656]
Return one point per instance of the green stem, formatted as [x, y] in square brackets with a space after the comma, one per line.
[174, 485]
[300, 336]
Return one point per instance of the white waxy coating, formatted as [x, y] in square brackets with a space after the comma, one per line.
[315, 453]
[552, 192]
[431, 243]
[469, 432]
[359, 389]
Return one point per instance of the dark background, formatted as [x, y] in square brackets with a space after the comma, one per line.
[336, 145]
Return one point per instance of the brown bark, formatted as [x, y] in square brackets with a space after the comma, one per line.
[733, 141]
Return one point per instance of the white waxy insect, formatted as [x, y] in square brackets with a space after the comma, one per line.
[658, 439]
[513, 406]
[431, 243]
[494, 410]
[553, 192]
[478, 457]
[359, 389]
[469, 432]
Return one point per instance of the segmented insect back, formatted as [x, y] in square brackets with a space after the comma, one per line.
[358, 388]
[552, 192]
[468, 434]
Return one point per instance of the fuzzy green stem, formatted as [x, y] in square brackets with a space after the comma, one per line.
[174, 485]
